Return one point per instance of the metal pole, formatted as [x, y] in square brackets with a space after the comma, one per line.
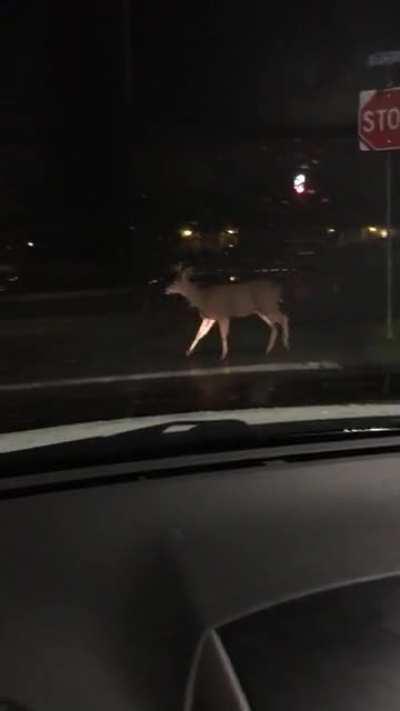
[127, 49]
[389, 260]
[389, 245]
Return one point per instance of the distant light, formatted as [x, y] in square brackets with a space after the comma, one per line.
[372, 229]
[231, 231]
[384, 233]
[186, 233]
[30, 244]
[232, 278]
[299, 183]
[299, 179]
[331, 230]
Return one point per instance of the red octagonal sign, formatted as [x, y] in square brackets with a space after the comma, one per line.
[379, 120]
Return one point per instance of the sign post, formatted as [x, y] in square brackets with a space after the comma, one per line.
[379, 130]
[389, 249]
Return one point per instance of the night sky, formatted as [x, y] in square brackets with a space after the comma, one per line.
[257, 64]
[208, 71]
[201, 64]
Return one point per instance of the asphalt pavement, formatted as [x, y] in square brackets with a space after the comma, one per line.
[118, 353]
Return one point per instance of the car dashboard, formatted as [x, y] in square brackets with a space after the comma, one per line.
[197, 589]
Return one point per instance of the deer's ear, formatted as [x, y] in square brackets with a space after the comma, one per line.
[179, 268]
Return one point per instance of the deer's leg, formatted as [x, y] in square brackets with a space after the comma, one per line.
[223, 324]
[283, 321]
[285, 331]
[274, 331]
[205, 326]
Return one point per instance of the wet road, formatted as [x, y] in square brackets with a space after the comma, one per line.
[116, 355]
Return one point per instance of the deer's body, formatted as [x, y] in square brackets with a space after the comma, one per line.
[233, 300]
[221, 303]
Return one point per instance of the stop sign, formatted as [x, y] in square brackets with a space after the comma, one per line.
[379, 120]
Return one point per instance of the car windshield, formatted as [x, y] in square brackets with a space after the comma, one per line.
[200, 218]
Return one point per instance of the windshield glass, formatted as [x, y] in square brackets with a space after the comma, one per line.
[199, 216]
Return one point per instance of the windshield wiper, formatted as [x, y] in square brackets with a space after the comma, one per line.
[195, 438]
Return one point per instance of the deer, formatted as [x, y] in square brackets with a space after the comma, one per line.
[220, 303]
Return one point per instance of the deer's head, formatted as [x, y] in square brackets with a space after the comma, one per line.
[181, 282]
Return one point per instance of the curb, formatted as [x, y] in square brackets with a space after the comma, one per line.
[224, 371]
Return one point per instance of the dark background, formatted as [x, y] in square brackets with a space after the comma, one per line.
[103, 100]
